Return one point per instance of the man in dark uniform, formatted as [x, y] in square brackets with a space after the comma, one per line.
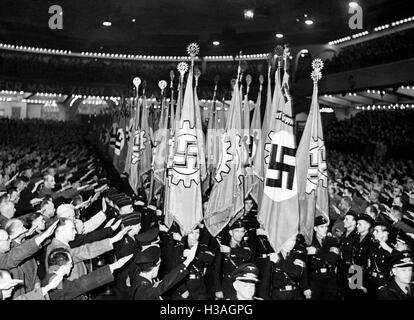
[193, 286]
[287, 269]
[262, 251]
[245, 278]
[148, 238]
[128, 245]
[379, 264]
[346, 244]
[148, 262]
[250, 223]
[400, 287]
[323, 256]
[229, 258]
[360, 256]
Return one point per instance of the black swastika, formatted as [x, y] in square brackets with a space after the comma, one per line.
[185, 155]
[279, 165]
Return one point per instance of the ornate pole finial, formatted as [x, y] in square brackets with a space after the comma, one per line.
[317, 66]
[136, 81]
[261, 81]
[172, 76]
[193, 49]
[197, 74]
[232, 83]
[144, 85]
[286, 55]
[279, 55]
[248, 81]
[182, 69]
[162, 85]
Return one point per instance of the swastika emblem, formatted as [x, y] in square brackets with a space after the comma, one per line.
[185, 166]
[280, 180]
[187, 157]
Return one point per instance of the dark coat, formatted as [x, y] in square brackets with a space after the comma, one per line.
[392, 291]
[71, 289]
[18, 254]
[143, 289]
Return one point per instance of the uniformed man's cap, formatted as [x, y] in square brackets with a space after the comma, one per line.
[247, 272]
[367, 218]
[149, 255]
[131, 219]
[353, 214]
[147, 237]
[116, 196]
[384, 224]
[404, 238]
[400, 260]
[238, 224]
[124, 201]
[110, 192]
[320, 220]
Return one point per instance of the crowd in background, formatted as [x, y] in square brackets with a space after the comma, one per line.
[389, 48]
[72, 228]
[384, 133]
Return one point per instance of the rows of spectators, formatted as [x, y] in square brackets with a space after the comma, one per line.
[70, 228]
[389, 48]
[394, 47]
[385, 133]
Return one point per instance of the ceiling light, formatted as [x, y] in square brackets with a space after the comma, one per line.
[309, 22]
[133, 20]
[279, 35]
[249, 14]
[353, 4]
[107, 23]
[216, 43]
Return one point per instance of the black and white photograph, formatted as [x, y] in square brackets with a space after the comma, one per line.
[207, 150]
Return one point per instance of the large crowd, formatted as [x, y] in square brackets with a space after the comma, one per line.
[72, 228]
[382, 134]
[389, 48]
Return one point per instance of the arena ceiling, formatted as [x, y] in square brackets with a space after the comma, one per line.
[165, 27]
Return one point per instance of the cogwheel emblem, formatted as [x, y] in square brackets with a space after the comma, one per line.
[317, 170]
[185, 165]
[225, 158]
[143, 141]
[268, 147]
[135, 148]
[241, 157]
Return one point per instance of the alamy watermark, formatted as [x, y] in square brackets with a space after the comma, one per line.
[356, 20]
[56, 20]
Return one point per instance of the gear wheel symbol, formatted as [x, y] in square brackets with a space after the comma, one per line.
[225, 158]
[143, 141]
[240, 156]
[185, 166]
